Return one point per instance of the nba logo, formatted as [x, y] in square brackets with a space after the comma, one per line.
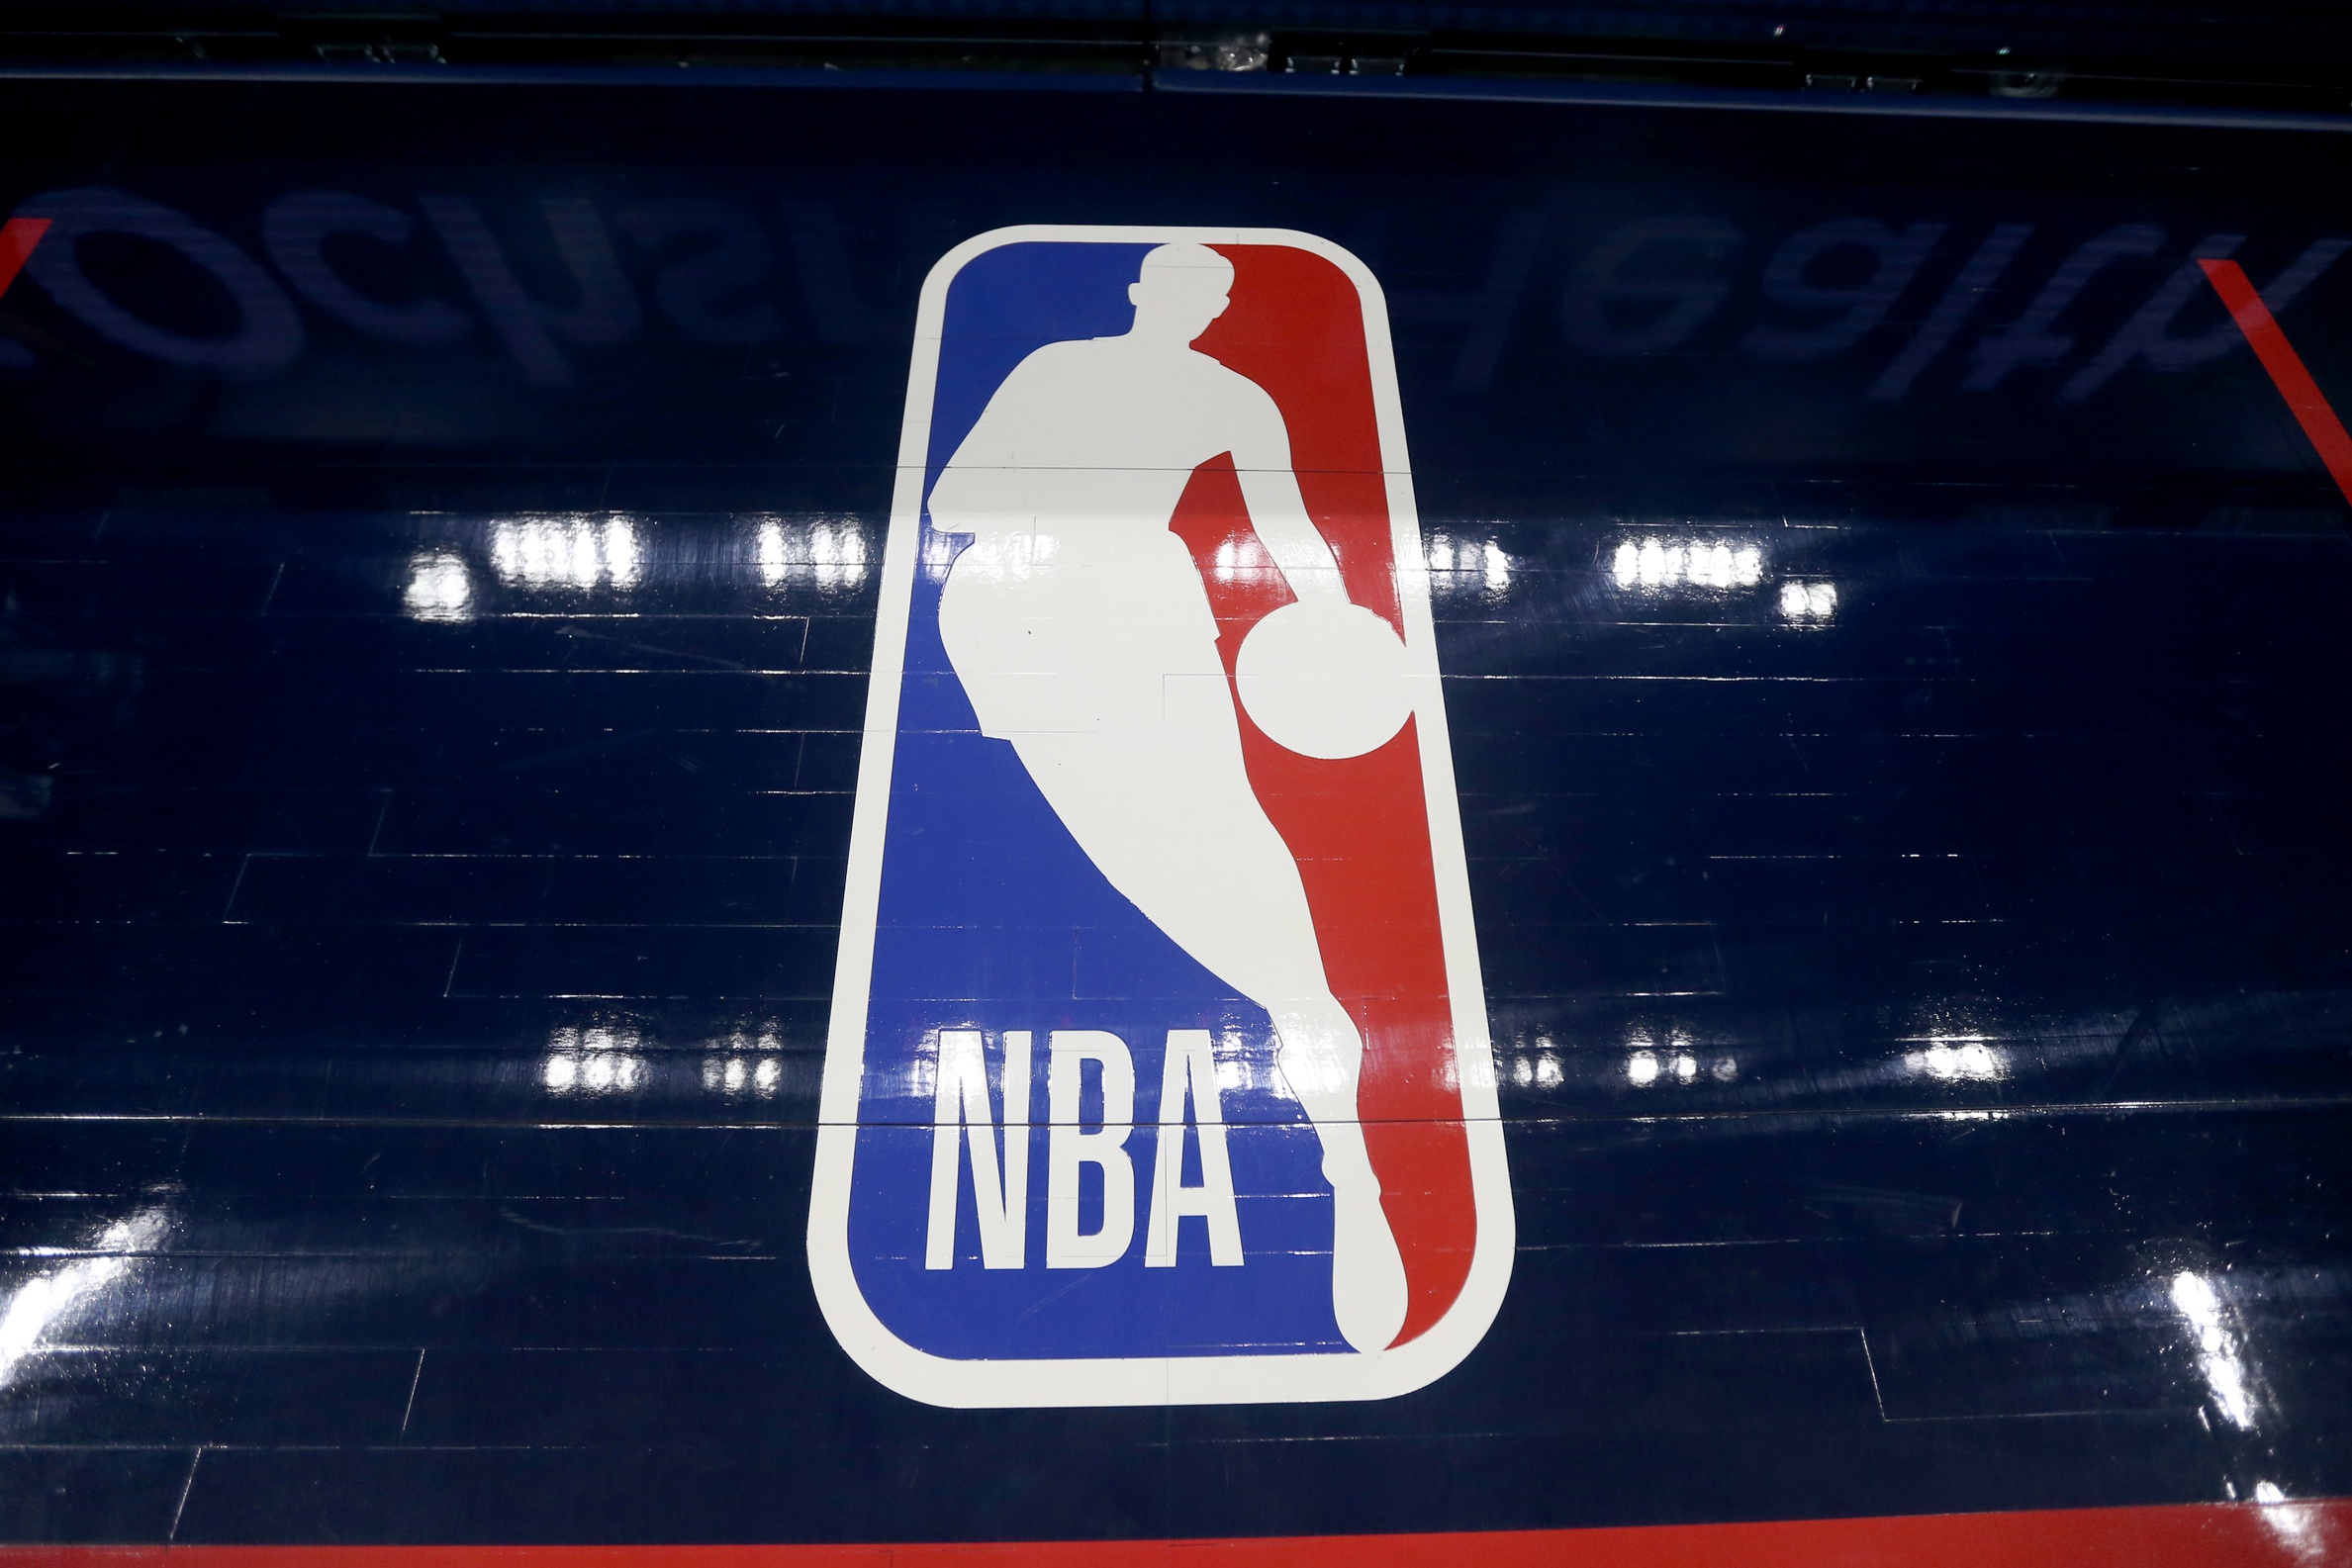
[1158, 1069]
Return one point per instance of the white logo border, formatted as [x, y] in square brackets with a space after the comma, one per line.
[1148, 1380]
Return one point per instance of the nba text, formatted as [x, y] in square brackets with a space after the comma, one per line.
[965, 1122]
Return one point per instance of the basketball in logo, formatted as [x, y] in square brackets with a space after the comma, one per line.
[1158, 1070]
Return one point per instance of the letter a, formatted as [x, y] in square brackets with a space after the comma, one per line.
[1191, 1074]
[962, 1107]
[1068, 1147]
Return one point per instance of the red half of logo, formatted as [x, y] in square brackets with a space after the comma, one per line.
[1357, 826]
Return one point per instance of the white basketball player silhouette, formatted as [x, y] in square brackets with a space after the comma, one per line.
[1083, 635]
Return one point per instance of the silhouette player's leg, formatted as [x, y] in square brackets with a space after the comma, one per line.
[1163, 805]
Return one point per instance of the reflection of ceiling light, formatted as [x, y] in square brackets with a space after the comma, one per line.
[1656, 563]
[565, 552]
[1678, 1062]
[34, 1306]
[439, 587]
[1539, 1071]
[1244, 560]
[598, 1072]
[1807, 602]
[594, 1061]
[1462, 558]
[2195, 1298]
[1960, 1062]
[829, 551]
[742, 1076]
[2300, 1527]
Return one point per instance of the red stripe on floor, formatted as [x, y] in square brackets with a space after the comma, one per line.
[18, 237]
[2193, 1535]
[2286, 369]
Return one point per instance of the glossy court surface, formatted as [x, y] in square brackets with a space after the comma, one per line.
[1893, 653]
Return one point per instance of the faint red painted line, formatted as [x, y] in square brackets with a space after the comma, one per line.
[18, 237]
[2287, 373]
[2183, 1536]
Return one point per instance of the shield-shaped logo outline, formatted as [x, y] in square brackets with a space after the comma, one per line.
[1173, 1379]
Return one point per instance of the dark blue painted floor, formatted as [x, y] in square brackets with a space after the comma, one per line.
[1922, 977]
[414, 1049]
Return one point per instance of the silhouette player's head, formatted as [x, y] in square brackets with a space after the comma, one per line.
[1180, 290]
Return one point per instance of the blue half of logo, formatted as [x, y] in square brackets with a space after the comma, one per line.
[992, 919]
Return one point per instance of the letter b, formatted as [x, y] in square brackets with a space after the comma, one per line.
[1070, 1145]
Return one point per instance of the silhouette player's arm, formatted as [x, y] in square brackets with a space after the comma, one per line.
[981, 480]
[1262, 458]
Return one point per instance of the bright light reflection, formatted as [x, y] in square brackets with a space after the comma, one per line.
[2217, 1352]
[594, 1061]
[1538, 1071]
[742, 1076]
[743, 1071]
[1655, 561]
[1240, 1066]
[1241, 559]
[1460, 559]
[1808, 603]
[45, 1299]
[1678, 1062]
[829, 551]
[619, 539]
[2299, 1527]
[439, 587]
[1960, 1059]
[565, 552]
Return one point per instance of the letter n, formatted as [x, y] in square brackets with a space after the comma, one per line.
[1190, 1075]
[961, 1118]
